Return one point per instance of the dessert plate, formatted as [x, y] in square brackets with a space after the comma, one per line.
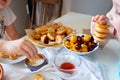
[40, 44]
[10, 61]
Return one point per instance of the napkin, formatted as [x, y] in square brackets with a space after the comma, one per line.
[89, 70]
[13, 73]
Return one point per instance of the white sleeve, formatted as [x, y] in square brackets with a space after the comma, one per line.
[9, 16]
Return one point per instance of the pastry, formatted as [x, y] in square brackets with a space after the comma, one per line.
[51, 35]
[38, 77]
[44, 39]
[10, 56]
[36, 36]
[59, 38]
[4, 55]
[61, 30]
[13, 56]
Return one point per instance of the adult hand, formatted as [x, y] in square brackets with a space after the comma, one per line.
[20, 46]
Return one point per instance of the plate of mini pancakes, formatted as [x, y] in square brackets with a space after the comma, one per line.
[49, 35]
[11, 59]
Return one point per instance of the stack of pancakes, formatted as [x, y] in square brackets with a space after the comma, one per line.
[101, 31]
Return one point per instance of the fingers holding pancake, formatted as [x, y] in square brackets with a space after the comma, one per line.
[101, 31]
[98, 38]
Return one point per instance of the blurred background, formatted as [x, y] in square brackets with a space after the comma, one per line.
[23, 9]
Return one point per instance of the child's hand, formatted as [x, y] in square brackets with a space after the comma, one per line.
[99, 27]
[20, 46]
[98, 18]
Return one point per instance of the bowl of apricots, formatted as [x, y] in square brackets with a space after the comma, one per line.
[80, 44]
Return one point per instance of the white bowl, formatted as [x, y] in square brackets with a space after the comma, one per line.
[80, 52]
[42, 61]
[68, 65]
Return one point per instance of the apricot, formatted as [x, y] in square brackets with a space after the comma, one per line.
[87, 38]
[84, 49]
[73, 39]
[67, 44]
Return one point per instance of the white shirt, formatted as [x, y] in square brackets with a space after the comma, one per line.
[9, 17]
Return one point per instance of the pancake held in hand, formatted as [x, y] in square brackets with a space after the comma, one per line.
[101, 31]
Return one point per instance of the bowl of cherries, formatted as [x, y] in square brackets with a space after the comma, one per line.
[80, 44]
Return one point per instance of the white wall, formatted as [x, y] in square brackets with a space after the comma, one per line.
[19, 8]
[91, 7]
[66, 6]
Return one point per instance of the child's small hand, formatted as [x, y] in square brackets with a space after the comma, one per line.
[100, 18]
[97, 27]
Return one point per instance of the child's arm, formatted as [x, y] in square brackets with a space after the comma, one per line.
[11, 32]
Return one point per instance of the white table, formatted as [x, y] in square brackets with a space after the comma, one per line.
[108, 56]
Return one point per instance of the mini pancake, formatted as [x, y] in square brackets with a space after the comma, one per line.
[102, 26]
[100, 34]
[101, 30]
[98, 38]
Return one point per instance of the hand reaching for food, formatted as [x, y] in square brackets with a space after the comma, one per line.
[20, 47]
[99, 27]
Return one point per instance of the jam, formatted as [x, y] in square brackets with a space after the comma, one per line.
[67, 66]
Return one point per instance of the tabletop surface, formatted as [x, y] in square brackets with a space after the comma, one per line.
[108, 56]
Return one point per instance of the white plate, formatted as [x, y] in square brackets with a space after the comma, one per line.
[9, 61]
[47, 76]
